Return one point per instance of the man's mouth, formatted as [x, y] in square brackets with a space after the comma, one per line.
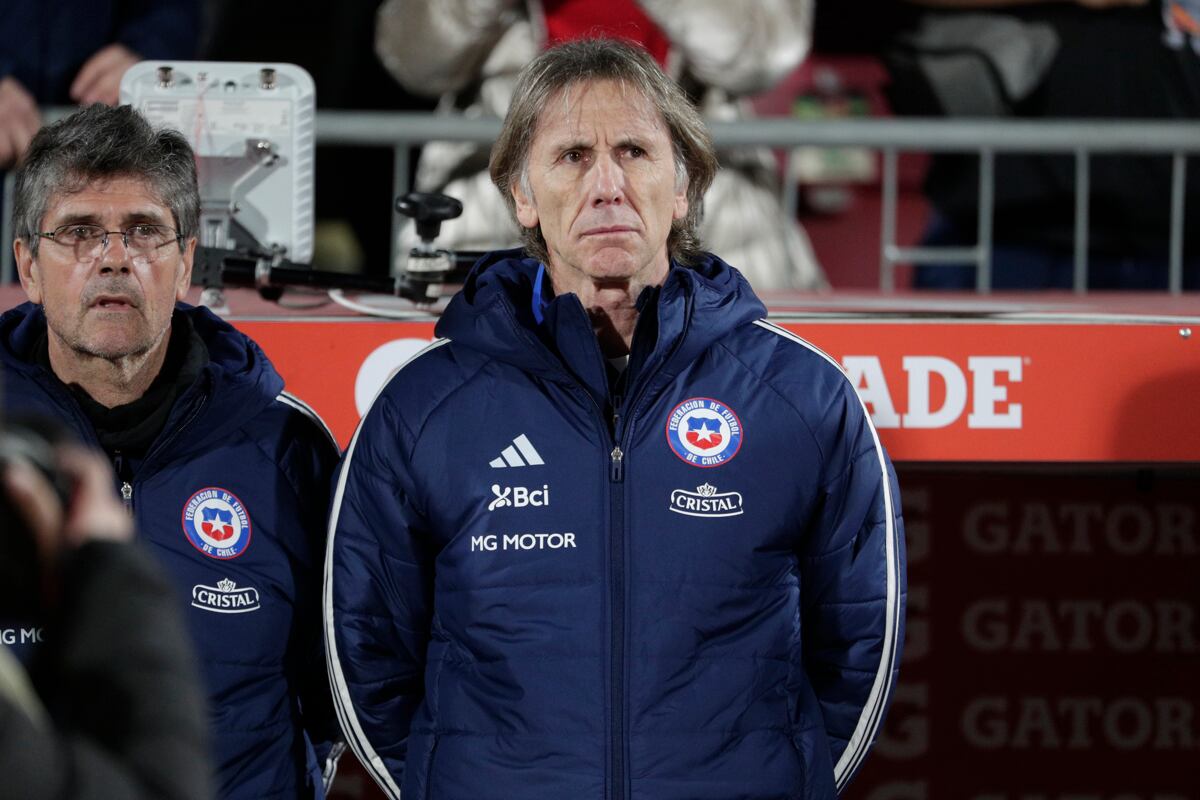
[609, 230]
[113, 302]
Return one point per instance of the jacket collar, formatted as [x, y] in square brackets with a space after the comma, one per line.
[494, 314]
[237, 383]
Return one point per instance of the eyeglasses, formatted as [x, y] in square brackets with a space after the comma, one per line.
[144, 243]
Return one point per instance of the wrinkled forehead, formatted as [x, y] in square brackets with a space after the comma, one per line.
[583, 107]
[109, 199]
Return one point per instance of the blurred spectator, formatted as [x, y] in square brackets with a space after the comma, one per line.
[117, 711]
[719, 51]
[1089, 59]
[76, 51]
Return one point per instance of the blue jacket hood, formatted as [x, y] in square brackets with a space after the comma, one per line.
[493, 313]
[238, 382]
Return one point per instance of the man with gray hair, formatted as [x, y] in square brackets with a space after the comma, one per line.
[225, 474]
[614, 534]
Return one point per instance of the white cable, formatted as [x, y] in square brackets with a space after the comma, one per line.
[362, 306]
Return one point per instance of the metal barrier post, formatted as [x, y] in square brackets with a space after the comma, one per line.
[987, 192]
[1178, 182]
[887, 277]
[789, 189]
[1083, 188]
[400, 185]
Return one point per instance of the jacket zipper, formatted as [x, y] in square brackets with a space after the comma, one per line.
[119, 462]
[617, 461]
[88, 434]
[119, 468]
[616, 598]
[429, 769]
[616, 495]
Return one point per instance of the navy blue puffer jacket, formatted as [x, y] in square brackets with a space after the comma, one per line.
[536, 590]
[253, 464]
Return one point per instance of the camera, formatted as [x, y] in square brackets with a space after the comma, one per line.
[31, 441]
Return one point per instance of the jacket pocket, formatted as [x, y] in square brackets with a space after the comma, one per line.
[794, 733]
[429, 768]
[793, 739]
[435, 660]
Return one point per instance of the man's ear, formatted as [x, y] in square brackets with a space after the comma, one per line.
[184, 281]
[28, 271]
[527, 213]
[681, 203]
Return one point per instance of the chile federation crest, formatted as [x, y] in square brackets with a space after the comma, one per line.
[704, 432]
[216, 523]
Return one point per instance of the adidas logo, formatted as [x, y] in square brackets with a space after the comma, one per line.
[521, 453]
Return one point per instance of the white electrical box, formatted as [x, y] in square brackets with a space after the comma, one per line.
[253, 129]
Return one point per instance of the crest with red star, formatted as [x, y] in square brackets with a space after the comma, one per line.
[704, 432]
[216, 523]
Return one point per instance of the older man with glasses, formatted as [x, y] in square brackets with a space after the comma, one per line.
[225, 474]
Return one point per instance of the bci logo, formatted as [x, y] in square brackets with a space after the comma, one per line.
[518, 497]
[988, 392]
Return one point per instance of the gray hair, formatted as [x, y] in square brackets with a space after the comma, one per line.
[588, 60]
[98, 143]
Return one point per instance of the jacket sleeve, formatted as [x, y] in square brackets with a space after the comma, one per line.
[309, 462]
[126, 717]
[378, 595]
[436, 46]
[852, 565]
[741, 46]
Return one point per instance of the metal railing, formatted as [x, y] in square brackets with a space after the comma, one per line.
[402, 131]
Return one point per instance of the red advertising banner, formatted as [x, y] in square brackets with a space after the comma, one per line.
[1037, 377]
[938, 390]
[1053, 639]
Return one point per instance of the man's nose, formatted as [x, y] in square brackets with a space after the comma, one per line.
[114, 254]
[608, 182]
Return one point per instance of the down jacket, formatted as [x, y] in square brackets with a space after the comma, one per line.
[254, 464]
[536, 590]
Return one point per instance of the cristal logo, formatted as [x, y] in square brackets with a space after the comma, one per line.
[989, 394]
[518, 497]
[706, 501]
[225, 598]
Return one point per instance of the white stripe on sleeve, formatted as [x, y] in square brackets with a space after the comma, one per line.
[355, 736]
[877, 701]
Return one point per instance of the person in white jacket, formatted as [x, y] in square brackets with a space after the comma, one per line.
[470, 51]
